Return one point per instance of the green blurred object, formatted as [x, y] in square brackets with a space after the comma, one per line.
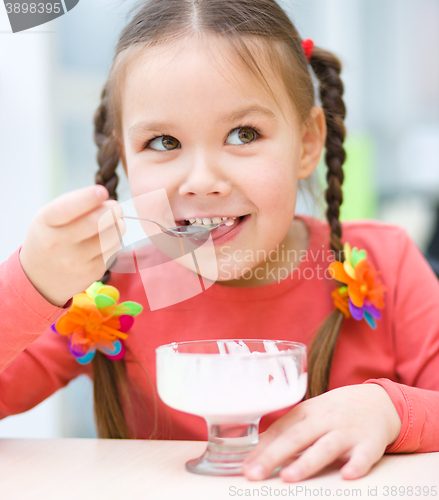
[360, 198]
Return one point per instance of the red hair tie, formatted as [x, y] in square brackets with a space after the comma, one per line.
[308, 48]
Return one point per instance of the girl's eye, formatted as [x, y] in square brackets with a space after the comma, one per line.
[163, 143]
[243, 135]
[238, 136]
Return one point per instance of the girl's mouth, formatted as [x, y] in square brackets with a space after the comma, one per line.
[230, 224]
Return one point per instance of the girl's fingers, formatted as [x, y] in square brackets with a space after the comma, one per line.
[121, 226]
[274, 431]
[97, 221]
[284, 446]
[102, 245]
[70, 206]
[363, 457]
[99, 248]
[322, 453]
[112, 255]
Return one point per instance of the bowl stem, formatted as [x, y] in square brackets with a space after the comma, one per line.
[227, 447]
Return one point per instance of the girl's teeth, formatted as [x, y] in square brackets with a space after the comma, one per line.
[228, 221]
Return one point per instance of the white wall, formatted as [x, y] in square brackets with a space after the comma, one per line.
[25, 170]
[25, 135]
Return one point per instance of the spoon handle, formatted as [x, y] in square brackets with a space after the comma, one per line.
[213, 226]
[177, 231]
[137, 218]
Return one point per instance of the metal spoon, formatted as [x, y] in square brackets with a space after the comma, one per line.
[181, 231]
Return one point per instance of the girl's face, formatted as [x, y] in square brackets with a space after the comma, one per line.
[220, 146]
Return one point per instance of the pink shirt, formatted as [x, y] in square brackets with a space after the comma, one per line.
[401, 354]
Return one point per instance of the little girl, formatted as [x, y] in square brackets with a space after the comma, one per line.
[213, 100]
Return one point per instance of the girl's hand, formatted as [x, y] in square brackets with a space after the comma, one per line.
[355, 422]
[62, 253]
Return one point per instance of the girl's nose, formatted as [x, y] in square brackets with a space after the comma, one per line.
[204, 179]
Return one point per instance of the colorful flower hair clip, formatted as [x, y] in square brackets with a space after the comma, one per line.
[96, 321]
[362, 295]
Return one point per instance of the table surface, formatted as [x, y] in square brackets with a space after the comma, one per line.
[83, 469]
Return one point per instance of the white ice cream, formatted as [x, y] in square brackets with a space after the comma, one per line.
[233, 386]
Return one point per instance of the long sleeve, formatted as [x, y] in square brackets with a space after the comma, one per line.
[415, 394]
[34, 361]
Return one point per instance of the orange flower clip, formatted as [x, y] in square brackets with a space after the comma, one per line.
[362, 295]
[96, 321]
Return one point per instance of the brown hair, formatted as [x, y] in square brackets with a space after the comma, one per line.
[242, 23]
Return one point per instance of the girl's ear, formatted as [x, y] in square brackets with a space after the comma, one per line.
[313, 141]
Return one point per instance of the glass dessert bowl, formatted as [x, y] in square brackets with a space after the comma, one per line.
[231, 383]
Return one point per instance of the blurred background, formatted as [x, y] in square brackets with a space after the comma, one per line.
[51, 78]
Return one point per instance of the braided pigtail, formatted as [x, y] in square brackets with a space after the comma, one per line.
[108, 154]
[109, 377]
[327, 69]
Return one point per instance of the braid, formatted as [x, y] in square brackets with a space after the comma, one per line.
[327, 69]
[107, 155]
[108, 376]
[108, 152]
